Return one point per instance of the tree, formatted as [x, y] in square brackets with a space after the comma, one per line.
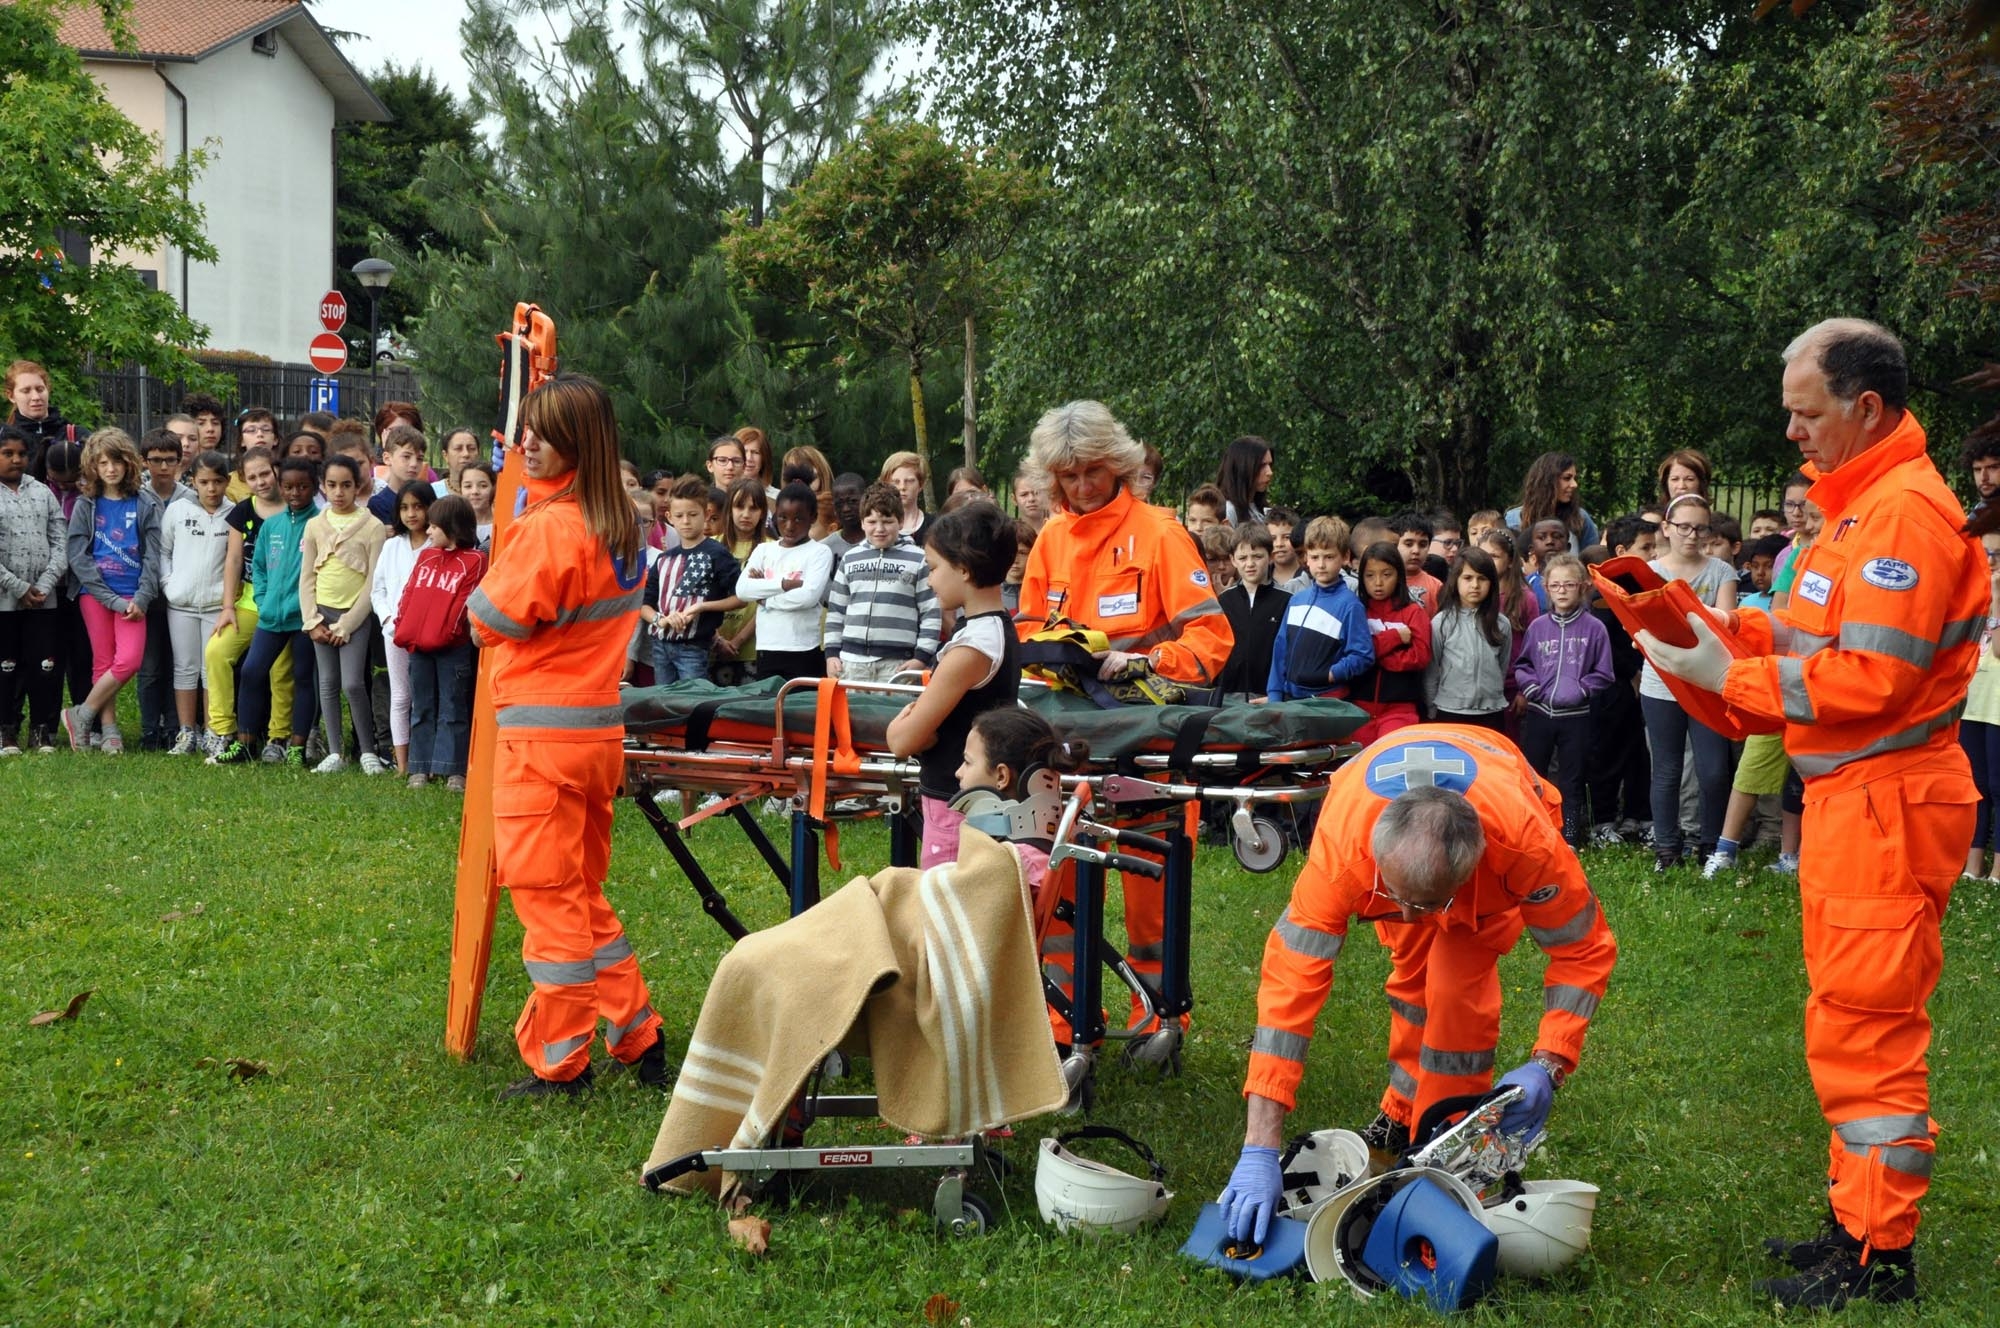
[377, 178]
[71, 165]
[895, 240]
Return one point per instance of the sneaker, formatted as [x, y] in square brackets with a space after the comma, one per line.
[536, 1086]
[1387, 1141]
[43, 741]
[1643, 831]
[183, 743]
[777, 807]
[418, 781]
[1665, 862]
[113, 743]
[232, 752]
[315, 749]
[9, 749]
[274, 753]
[332, 765]
[1718, 863]
[371, 764]
[651, 1067]
[1606, 836]
[455, 784]
[296, 755]
[666, 798]
[1888, 1277]
[1785, 864]
[76, 723]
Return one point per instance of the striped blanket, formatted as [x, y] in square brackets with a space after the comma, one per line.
[934, 976]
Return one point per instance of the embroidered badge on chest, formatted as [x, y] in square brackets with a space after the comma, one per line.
[1117, 606]
[1815, 588]
[1889, 573]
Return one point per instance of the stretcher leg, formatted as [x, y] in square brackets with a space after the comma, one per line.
[712, 902]
[1086, 1011]
[906, 834]
[804, 877]
[1176, 992]
[762, 843]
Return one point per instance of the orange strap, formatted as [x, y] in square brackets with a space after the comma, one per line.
[833, 743]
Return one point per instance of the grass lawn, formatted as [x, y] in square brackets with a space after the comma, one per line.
[303, 922]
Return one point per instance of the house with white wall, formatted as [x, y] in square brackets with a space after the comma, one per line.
[259, 86]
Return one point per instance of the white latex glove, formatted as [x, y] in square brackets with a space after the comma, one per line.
[1704, 664]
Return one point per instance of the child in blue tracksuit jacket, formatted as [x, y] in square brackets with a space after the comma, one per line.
[1324, 642]
[1565, 665]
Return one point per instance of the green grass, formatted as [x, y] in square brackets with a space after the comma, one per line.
[370, 1178]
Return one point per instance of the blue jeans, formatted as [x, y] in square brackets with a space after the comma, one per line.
[678, 661]
[1671, 729]
[253, 690]
[441, 709]
[1982, 747]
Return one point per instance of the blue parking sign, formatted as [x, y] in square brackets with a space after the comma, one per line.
[325, 395]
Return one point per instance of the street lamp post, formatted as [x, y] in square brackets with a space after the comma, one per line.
[374, 275]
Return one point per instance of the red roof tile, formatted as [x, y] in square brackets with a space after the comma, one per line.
[174, 29]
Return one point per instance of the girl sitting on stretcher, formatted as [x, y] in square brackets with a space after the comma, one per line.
[1000, 751]
[978, 668]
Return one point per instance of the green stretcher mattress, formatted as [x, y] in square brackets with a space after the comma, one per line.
[693, 715]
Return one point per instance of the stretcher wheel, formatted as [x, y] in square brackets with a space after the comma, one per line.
[1264, 851]
[975, 1217]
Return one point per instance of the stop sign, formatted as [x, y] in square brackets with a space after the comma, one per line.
[328, 353]
[332, 311]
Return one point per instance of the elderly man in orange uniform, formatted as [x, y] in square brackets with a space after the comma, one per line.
[1109, 562]
[1867, 669]
[1445, 838]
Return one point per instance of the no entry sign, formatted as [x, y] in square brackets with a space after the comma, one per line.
[333, 311]
[328, 353]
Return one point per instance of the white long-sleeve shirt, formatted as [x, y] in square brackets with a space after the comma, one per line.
[194, 544]
[392, 576]
[786, 619]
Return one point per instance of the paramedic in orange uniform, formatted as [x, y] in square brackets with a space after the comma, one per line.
[1867, 668]
[557, 609]
[1445, 838]
[1107, 561]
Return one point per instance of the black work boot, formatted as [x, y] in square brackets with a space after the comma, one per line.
[1807, 1253]
[1889, 1277]
[536, 1086]
[651, 1067]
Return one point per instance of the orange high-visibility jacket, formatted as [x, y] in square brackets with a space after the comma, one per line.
[1527, 866]
[1869, 664]
[563, 608]
[1130, 571]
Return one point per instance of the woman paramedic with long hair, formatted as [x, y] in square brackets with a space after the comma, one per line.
[556, 610]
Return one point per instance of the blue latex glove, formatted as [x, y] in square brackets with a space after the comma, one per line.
[1251, 1197]
[1527, 1117]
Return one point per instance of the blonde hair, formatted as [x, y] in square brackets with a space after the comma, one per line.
[108, 444]
[1080, 432]
[1326, 532]
[897, 460]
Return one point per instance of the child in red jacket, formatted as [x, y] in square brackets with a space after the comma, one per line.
[431, 624]
[1392, 690]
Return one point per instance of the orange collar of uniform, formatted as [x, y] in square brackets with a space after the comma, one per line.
[1106, 520]
[541, 490]
[1835, 490]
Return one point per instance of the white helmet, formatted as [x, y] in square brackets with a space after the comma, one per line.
[1319, 1165]
[1543, 1228]
[1338, 1230]
[1076, 1192]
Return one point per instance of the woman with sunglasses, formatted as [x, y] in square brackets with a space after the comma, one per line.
[1670, 730]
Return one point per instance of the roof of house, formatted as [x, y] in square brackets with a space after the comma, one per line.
[186, 31]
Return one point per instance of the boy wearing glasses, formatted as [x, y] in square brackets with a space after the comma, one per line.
[1563, 671]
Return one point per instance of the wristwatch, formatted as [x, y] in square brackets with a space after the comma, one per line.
[1557, 1073]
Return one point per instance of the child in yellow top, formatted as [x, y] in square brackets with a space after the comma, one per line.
[340, 547]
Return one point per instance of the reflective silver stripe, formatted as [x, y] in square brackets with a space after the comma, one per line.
[495, 621]
[561, 717]
[1894, 642]
[1063, 944]
[1897, 1157]
[617, 1032]
[1782, 636]
[1807, 644]
[1570, 1000]
[1308, 941]
[1963, 632]
[1575, 929]
[1792, 690]
[1812, 765]
[1153, 953]
[625, 601]
[560, 973]
[1411, 1014]
[608, 955]
[1277, 1042]
[1432, 1061]
[554, 1053]
[1884, 1129]
[1402, 1081]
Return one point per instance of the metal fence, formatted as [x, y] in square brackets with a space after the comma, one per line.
[136, 401]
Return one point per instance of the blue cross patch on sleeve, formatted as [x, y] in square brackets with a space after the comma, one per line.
[1396, 770]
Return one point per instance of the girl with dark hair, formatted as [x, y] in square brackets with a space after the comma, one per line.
[1393, 688]
[408, 538]
[1685, 471]
[1471, 646]
[1002, 748]
[556, 610]
[1548, 492]
[432, 631]
[1245, 479]
[787, 580]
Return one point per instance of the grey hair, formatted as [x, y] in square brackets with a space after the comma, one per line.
[1856, 356]
[1079, 433]
[1434, 836]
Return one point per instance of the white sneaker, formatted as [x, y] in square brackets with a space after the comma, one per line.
[183, 743]
[1718, 863]
[371, 764]
[777, 807]
[1606, 835]
[667, 798]
[1785, 864]
[9, 750]
[332, 765]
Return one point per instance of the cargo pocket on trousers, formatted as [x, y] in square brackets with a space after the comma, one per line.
[521, 827]
[1866, 951]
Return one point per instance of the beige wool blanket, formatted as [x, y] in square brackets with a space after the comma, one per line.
[934, 975]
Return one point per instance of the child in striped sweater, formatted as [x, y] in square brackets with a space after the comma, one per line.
[882, 617]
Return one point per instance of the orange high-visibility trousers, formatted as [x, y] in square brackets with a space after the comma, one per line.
[1444, 1008]
[1875, 877]
[552, 802]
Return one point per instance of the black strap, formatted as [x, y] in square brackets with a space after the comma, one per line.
[1116, 1135]
[695, 735]
[1189, 741]
[1082, 666]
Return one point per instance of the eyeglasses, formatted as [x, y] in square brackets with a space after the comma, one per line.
[1699, 532]
[1420, 910]
[1563, 585]
[1794, 504]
